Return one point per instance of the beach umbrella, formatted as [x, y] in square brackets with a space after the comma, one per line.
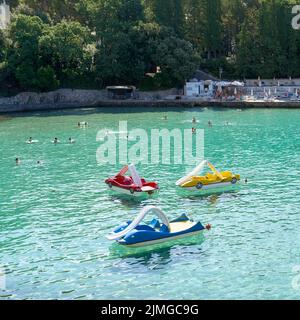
[237, 84]
[222, 84]
[259, 82]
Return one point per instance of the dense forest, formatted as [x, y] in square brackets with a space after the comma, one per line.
[150, 43]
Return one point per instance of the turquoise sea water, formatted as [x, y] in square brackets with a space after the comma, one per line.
[54, 216]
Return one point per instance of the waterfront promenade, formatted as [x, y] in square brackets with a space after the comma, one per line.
[72, 99]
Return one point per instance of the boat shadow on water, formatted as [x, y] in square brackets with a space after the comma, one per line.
[5, 118]
[163, 249]
[213, 195]
[131, 202]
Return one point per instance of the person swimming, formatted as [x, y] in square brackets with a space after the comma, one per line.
[82, 124]
[71, 140]
[194, 120]
[55, 141]
[194, 130]
[210, 123]
[18, 161]
[31, 141]
[165, 117]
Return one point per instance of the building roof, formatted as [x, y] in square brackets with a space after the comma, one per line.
[201, 75]
[121, 88]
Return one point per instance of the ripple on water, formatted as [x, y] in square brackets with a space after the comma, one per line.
[54, 217]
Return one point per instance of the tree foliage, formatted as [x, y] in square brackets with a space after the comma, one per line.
[3, 46]
[23, 56]
[63, 46]
[93, 43]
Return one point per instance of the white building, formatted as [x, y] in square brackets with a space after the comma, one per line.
[4, 15]
[195, 88]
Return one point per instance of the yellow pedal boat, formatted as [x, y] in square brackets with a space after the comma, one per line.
[212, 180]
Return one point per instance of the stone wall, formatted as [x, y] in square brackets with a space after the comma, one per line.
[68, 98]
[64, 98]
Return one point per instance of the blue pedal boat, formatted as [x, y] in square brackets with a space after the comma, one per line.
[134, 234]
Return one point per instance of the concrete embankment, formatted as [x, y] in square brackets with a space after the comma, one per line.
[70, 99]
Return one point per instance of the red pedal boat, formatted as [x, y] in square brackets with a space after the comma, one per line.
[131, 185]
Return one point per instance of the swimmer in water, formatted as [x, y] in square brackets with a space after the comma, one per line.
[39, 162]
[210, 123]
[165, 118]
[31, 141]
[194, 120]
[71, 140]
[82, 124]
[55, 141]
[194, 130]
[18, 161]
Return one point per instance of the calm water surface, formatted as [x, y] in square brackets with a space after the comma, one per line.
[54, 217]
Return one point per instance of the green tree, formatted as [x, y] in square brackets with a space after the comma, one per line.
[119, 60]
[23, 55]
[3, 46]
[113, 16]
[55, 9]
[13, 3]
[176, 58]
[119, 57]
[168, 13]
[64, 47]
[268, 46]
[248, 50]
[76, 42]
[213, 28]
[233, 13]
[142, 50]
[46, 79]
[194, 26]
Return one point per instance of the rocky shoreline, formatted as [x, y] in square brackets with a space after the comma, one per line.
[71, 99]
